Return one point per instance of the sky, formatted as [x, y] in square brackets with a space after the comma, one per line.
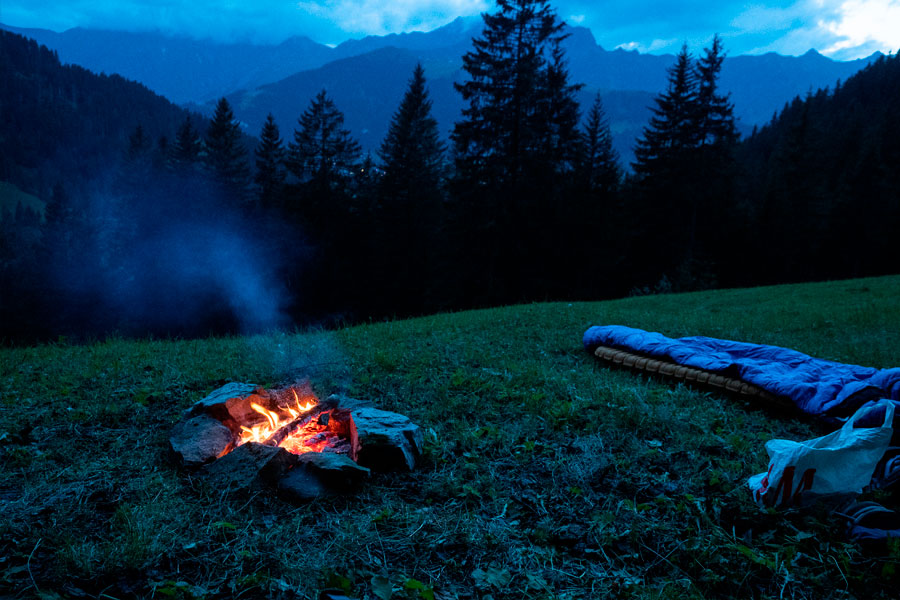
[841, 29]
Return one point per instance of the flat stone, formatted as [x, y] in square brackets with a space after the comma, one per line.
[249, 466]
[388, 441]
[335, 471]
[320, 474]
[352, 404]
[200, 440]
[232, 404]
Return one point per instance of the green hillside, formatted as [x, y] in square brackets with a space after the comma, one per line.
[546, 474]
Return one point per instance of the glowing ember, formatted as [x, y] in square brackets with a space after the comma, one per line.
[274, 421]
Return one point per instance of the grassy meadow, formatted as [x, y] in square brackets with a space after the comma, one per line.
[546, 475]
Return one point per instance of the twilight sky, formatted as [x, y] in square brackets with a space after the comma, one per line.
[842, 29]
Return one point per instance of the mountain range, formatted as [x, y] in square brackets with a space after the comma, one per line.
[367, 77]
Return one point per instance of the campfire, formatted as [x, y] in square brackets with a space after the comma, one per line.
[242, 436]
[305, 425]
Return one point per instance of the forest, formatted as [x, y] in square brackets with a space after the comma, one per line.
[160, 222]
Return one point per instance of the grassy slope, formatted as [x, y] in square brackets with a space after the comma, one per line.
[546, 475]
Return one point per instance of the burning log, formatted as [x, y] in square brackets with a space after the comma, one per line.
[289, 428]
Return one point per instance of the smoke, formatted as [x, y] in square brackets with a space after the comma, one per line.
[173, 265]
[188, 273]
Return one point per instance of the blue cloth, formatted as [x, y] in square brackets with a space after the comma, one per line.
[817, 387]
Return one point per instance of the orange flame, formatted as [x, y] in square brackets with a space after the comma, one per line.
[261, 432]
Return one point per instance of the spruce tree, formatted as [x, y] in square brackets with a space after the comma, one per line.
[513, 152]
[600, 163]
[412, 153]
[715, 112]
[673, 129]
[410, 193]
[323, 152]
[270, 170]
[184, 154]
[685, 170]
[714, 213]
[665, 158]
[519, 99]
[226, 156]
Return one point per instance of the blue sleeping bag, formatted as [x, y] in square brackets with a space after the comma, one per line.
[821, 388]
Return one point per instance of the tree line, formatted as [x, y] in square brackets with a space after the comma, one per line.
[528, 200]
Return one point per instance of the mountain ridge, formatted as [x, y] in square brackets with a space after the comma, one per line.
[282, 78]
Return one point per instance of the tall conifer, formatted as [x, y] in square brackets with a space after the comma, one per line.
[185, 153]
[412, 154]
[270, 169]
[226, 156]
[323, 151]
[600, 166]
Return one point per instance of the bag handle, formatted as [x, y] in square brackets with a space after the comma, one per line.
[889, 407]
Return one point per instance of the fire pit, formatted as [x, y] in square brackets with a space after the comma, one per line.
[242, 437]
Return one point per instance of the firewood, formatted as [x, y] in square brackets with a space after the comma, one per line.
[286, 430]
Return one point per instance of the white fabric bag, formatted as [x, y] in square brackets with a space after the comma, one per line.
[841, 462]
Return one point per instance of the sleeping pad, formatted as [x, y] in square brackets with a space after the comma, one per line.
[825, 389]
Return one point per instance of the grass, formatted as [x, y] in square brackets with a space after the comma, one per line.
[546, 475]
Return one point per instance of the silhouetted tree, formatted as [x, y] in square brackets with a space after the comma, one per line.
[270, 169]
[226, 155]
[513, 153]
[412, 153]
[323, 152]
[412, 156]
[673, 130]
[679, 175]
[601, 172]
[185, 153]
[324, 158]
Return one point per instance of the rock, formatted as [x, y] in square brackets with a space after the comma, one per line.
[320, 474]
[388, 441]
[216, 400]
[353, 404]
[199, 440]
[335, 471]
[249, 466]
[232, 404]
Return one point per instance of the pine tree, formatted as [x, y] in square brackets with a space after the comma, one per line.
[685, 169]
[513, 154]
[560, 111]
[714, 214]
[226, 156]
[715, 116]
[520, 103]
[322, 151]
[410, 194]
[412, 153]
[600, 166]
[138, 164]
[184, 154]
[673, 129]
[270, 170]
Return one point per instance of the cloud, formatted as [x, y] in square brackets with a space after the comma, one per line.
[863, 26]
[653, 46]
[841, 28]
[379, 17]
